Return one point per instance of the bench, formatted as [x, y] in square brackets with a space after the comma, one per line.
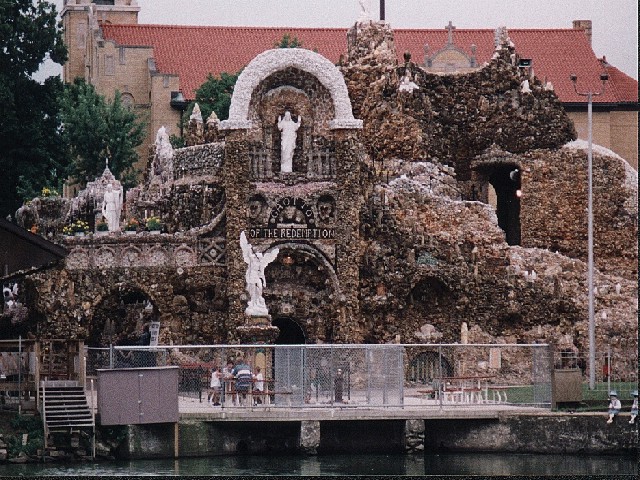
[498, 392]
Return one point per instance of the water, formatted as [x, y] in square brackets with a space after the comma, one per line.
[334, 465]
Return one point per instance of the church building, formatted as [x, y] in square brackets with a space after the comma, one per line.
[157, 68]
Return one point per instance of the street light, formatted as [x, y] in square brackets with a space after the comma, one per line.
[592, 327]
[179, 103]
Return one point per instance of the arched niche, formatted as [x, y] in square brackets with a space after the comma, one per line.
[118, 317]
[272, 61]
[302, 285]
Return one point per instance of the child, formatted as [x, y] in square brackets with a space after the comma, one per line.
[614, 405]
[634, 407]
[258, 385]
[216, 387]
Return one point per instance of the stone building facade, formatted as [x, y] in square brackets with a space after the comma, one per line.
[384, 227]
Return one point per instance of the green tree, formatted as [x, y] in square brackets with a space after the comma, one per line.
[214, 95]
[287, 42]
[95, 130]
[31, 151]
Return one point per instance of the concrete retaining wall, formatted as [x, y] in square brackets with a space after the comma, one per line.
[552, 433]
[578, 433]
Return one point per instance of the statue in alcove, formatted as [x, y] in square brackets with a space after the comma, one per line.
[288, 140]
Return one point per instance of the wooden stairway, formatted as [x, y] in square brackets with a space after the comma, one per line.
[64, 406]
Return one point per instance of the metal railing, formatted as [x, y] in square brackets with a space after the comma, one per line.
[390, 375]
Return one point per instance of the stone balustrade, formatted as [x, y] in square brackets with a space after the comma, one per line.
[144, 249]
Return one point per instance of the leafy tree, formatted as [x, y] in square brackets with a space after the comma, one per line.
[287, 42]
[95, 130]
[214, 95]
[31, 151]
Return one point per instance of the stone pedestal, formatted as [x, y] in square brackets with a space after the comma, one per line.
[258, 330]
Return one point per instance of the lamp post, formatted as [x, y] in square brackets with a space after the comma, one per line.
[592, 326]
[179, 103]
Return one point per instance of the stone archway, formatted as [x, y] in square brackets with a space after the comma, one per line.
[291, 332]
[505, 180]
[499, 176]
[302, 285]
[271, 61]
[119, 316]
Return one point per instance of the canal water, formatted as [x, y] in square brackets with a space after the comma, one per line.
[488, 464]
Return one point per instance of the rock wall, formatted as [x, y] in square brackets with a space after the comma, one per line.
[450, 118]
[415, 248]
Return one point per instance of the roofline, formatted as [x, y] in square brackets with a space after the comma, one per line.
[53, 248]
[340, 29]
[23, 273]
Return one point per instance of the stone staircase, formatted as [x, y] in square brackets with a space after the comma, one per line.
[64, 406]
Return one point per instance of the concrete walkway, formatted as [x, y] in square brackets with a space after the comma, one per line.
[413, 408]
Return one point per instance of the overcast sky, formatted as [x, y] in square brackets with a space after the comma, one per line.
[615, 22]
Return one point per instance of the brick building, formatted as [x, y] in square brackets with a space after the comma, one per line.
[150, 64]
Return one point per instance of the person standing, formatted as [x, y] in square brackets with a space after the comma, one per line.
[258, 385]
[243, 377]
[215, 387]
[227, 380]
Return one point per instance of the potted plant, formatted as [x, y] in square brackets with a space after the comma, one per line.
[131, 226]
[102, 227]
[79, 228]
[154, 225]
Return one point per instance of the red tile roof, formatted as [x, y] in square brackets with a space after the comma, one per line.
[194, 52]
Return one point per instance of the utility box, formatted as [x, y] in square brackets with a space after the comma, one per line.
[133, 396]
[567, 386]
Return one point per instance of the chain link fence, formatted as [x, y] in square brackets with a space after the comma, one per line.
[489, 373]
[394, 375]
[614, 370]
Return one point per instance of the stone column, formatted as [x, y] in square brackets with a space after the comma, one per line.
[310, 436]
[235, 178]
[348, 152]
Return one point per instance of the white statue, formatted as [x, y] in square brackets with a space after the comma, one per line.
[288, 144]
[407, 85]
[365, 11]
[162, 167]
[255, 276]
[111, 207]
[196, 114]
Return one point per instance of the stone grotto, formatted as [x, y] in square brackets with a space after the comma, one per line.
[415, 203]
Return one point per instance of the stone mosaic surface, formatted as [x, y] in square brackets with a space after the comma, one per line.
[398, 240]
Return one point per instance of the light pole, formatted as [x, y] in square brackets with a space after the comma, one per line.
[592, 326]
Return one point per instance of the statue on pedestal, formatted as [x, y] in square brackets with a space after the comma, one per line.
[111, 207]
[255, 278]
[288, 143]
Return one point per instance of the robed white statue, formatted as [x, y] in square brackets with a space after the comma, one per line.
[288, 141]
[111, 207]
[256, 281]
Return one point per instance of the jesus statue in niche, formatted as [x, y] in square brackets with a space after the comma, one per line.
[288, 141]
